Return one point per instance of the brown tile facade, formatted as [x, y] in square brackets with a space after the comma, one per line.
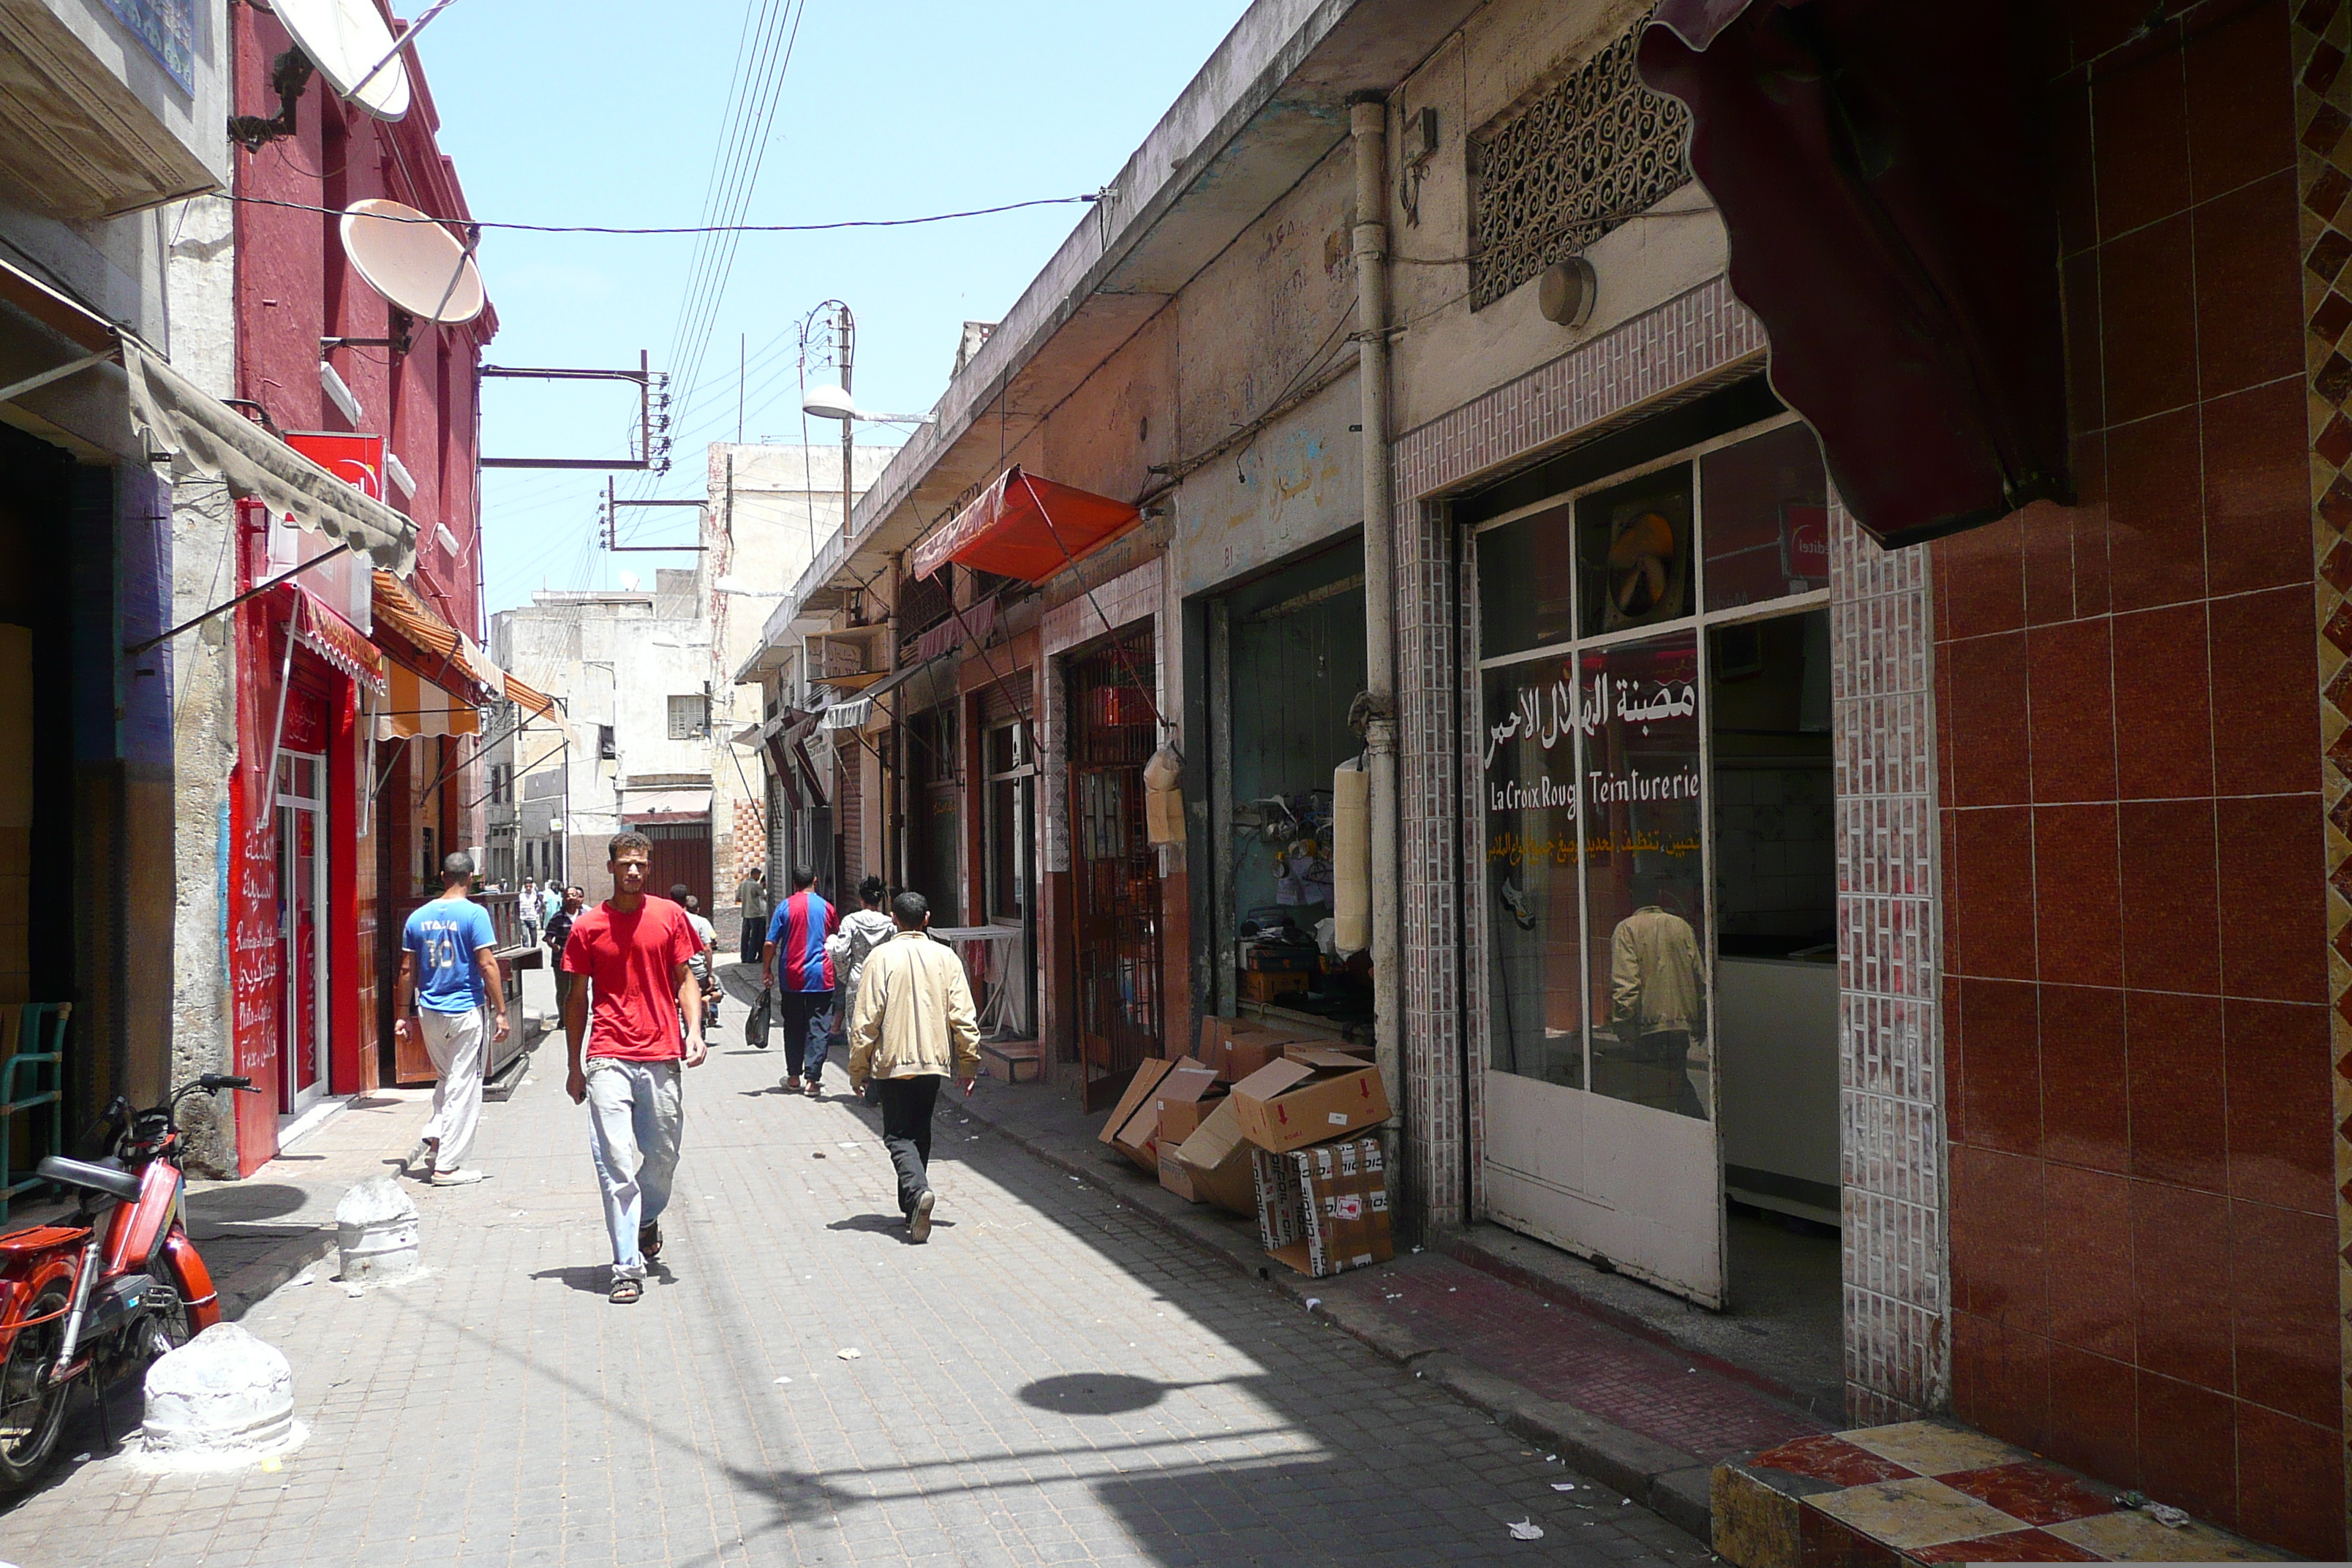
[2144, 1229]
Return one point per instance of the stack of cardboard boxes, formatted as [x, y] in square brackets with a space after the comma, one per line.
[1280, 1128]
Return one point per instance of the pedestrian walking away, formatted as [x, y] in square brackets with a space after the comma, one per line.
[796, 965]
[559, 926]
[913, 1023]
[450, 971]
[705, 962]
[751, 899]
[859, 935]
[629, 1032]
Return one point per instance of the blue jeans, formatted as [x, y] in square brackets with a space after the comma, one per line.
[636, 1112]
[807, 1017]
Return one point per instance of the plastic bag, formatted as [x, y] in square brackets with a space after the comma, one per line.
[755, 1023]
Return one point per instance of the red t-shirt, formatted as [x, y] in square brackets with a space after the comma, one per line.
[631, 961]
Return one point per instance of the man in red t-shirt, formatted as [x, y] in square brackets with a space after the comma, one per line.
[633, 948]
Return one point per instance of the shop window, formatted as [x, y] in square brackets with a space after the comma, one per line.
[690, 716]
[1610, 621]
[1010, 821]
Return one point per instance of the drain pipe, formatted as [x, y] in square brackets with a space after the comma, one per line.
[1368, 125]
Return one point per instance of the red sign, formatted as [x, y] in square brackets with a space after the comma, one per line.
[357, 460]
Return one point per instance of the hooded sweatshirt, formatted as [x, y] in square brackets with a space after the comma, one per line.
[859, 935]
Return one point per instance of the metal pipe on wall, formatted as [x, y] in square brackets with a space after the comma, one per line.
[1367, 126]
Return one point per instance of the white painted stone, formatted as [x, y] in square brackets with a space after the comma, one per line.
[224, 1394]
[375, 1226]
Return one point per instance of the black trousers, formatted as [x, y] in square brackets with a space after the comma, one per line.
[806, 1018]
[907, 1105]
[755, 936]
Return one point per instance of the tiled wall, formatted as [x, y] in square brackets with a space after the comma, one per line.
[1890, 1080]
[2144, 1225]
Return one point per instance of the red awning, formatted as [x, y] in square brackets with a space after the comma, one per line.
[1882, 176]
[1025, 527]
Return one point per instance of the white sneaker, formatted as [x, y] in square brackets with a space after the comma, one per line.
[461, 1178]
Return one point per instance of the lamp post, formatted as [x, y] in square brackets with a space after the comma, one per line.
[834, 403]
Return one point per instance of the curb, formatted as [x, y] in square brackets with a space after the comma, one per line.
[247, 1283]
[1672, 1484]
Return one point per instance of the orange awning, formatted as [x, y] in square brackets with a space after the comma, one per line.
[1024, 527]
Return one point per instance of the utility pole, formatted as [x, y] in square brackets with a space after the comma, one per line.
[742, 366]
[845, 340]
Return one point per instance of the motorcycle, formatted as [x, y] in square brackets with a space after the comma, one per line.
[107, 1293]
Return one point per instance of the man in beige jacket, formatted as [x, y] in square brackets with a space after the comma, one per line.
[911, 1024]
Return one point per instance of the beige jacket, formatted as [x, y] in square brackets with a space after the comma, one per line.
[1654, 973]
[913, 1014]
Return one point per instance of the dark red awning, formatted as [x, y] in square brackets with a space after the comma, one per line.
[1880, 169]
[1024, 527]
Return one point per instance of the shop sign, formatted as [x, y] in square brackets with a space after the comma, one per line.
[356, 459]
[1532, 733]
[1804, 543]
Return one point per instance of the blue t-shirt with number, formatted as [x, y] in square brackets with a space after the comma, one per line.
[442, 935]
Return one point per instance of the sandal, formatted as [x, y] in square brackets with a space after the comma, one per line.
[627, 1290]
[649, 1240]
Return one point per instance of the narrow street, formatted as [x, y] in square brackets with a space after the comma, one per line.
[1051, 1380]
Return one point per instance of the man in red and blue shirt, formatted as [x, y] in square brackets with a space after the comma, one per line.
[800, 970]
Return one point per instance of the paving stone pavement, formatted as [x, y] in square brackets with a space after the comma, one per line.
[1052, 1378]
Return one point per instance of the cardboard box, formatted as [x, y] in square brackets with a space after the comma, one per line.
[1262, 986]
[1324, 1210]
[1213, 1165]
[1327, 1053]
[1184, 1081]
[1184, 1098]
[1236, 1049]
[1136, 1102]
[1288, 1105]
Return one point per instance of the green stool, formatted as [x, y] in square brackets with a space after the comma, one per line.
[33, 1079]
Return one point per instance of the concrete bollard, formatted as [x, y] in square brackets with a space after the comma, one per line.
[376, 1227]
[222, 1395]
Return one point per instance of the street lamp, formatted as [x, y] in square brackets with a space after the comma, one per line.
[831, 401]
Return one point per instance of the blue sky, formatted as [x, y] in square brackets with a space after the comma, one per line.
[608, 113]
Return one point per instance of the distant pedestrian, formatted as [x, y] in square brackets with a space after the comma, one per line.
[449, 970]
[913, 1025]
[550, 900]
[796, 964]
[529, 908]
[706, 959]
[859, 935]
[751, 898]
[566, 910]
[633, 949]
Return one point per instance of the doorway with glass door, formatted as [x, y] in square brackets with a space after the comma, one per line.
[1659, 895]
[303, 1013]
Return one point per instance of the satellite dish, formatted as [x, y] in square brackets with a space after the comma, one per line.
[412, 260]
[345, 38]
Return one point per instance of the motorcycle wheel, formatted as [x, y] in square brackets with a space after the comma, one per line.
[31, 1408]
[165, 1331]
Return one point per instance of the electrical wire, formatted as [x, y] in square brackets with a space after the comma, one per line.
[684, 228]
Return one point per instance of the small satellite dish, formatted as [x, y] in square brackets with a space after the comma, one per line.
[345, 38]
[412, 260]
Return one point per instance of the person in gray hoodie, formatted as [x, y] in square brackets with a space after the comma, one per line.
[859, 934]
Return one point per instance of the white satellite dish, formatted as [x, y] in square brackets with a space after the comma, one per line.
[345, 38]
[412, 260]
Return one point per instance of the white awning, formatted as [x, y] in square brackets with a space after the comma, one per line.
[204, 435]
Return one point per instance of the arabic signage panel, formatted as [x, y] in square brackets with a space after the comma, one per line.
[356, 459]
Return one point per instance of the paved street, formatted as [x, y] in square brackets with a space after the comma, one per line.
[1052, 1380]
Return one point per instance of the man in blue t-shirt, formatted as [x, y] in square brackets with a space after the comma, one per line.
[448, 957]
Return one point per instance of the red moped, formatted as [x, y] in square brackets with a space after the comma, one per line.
[107, 1292]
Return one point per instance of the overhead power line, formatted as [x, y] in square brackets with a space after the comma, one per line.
[699, 228]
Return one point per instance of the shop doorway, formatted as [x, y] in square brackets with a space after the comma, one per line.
[1010, 828]
[302, 1009]
[1116, 884]
[1628, 631]
[935, 842]
[680, 853]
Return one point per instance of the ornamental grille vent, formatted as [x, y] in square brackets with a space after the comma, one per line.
[1577, 162]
